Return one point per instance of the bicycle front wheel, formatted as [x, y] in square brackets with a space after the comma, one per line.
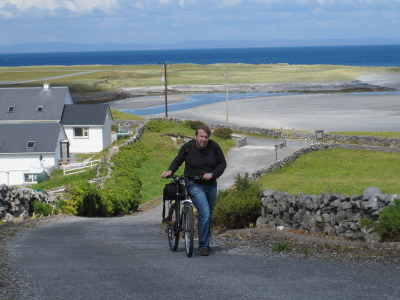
[188, 229]
[173, 233]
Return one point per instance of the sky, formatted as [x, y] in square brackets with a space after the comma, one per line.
[174, 21]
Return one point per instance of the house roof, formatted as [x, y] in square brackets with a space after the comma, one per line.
[27, 100]
[85, 114]
[15, 137]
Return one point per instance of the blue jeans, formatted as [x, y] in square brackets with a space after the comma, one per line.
[203, 197]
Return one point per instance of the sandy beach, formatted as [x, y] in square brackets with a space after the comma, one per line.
[327, 107]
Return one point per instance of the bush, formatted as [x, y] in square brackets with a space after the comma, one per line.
[388, 224]
[114, 127]
[223, 133]
[85, 199]
[242, 183]
[235, 209]
[192, 124]
[121, 193]
[40, 208]
[158, 125]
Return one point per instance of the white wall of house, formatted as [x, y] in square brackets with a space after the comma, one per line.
[91, 143]
[15, 166]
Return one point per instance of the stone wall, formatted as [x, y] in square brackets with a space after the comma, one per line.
[362, 140]
[252, 130]
[133, 123]
[335, 215]
[16, 203]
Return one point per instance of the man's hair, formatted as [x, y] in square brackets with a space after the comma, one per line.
[205, 128]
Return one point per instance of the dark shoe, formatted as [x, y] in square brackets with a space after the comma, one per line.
[204, 252]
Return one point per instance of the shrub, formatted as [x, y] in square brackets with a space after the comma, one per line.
[235, 209]
[192, 124]
[85, 199]
[242, 183]
[40, 208]
[114, 127]
[388, 224]
[282, 246]
[121, 193]
[158, 125]
[223, 133]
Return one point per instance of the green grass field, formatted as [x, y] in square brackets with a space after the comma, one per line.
[117, 115]
[337, 171]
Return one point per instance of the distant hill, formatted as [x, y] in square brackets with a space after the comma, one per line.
[75, 47]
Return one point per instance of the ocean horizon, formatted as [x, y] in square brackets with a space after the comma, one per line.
[360, 55]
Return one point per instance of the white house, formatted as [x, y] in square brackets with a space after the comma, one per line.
[32, 128]
[27, 150]
[88, 127]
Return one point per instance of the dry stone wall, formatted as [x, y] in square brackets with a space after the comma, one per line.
[362, 140]
[16, 203]
[335, 215]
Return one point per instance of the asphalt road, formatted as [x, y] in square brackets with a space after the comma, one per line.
[127, 258]
[257, 154]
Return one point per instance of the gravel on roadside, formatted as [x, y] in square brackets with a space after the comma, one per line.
[264, 243]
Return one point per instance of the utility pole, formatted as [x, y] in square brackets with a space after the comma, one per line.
[227, 93]
[165, 64]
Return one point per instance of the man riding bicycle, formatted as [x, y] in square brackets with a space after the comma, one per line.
[203, 158]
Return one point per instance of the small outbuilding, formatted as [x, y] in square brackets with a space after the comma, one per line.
[88, 127]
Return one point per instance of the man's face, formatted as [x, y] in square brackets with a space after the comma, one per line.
[201, 139]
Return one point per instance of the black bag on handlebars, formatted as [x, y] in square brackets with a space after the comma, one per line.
[171, 189]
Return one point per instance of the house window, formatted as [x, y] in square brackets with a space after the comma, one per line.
[81, 132]
[40, 108]
[30, 144]
[11, 109]
[30, 177]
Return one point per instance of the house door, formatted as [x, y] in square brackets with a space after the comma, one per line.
[64, 149]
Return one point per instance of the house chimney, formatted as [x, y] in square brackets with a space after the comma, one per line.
[46, 85]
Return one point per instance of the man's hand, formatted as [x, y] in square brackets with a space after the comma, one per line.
[166, 174]
[207, 176]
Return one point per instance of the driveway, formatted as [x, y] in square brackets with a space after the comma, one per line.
[128, 258]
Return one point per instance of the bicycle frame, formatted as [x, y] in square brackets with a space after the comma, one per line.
[180, 218]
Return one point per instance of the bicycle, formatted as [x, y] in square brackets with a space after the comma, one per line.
[180, 216]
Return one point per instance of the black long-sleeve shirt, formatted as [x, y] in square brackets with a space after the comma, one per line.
[200, 161]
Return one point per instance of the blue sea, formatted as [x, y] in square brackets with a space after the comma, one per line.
[373, 55]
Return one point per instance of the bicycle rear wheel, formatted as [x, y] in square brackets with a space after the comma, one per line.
[173, 233]
[188, 229]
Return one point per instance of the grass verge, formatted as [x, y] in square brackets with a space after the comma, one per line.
[337, 171]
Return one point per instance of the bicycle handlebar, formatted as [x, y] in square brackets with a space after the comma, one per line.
[184, 176]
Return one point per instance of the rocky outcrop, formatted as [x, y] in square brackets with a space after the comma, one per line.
[335, 215]
[16, 203]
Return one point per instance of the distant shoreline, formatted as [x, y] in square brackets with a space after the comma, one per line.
[177, 93]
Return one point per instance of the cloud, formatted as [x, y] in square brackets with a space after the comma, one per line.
[4, 14]
[79, 6]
